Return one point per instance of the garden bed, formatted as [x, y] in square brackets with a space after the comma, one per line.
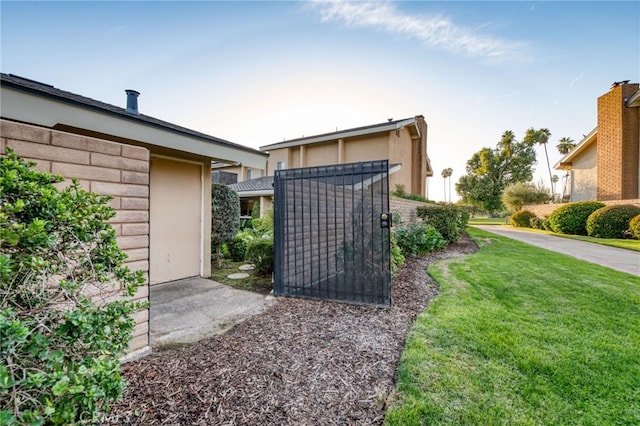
[299, 362]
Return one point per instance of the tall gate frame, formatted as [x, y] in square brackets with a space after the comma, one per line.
[331, 233]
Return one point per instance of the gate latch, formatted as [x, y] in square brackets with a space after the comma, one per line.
[385, 220]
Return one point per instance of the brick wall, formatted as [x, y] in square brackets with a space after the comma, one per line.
[406, 209]
[104, 167]
[618, 147]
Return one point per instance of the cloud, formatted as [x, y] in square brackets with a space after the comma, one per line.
[437, 31]
[575, 80]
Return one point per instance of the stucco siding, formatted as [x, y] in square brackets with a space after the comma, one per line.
[584, 175]
[103, 167]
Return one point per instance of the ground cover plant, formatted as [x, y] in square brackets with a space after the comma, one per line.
[522, 335]
[254, 282]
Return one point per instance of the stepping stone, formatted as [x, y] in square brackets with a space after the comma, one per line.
[246, 268]
[238, 276]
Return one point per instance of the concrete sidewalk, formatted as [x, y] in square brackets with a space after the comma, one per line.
[611, 257]
[188, 310]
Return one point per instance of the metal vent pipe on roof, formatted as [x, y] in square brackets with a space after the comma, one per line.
[132, 101]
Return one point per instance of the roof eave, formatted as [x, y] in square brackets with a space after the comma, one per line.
[349, 133]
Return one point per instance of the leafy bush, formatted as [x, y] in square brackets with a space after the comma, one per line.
[260, 254]
[264, 225]
[536, 223]
[572, 217]
[448, 220]
[546, 225]
[237, 248]
[519, 194]
[634, 227]
[65, 308]
[419, 238]
[611, 221]
[397, 258]
[225, 217]
[522, 219]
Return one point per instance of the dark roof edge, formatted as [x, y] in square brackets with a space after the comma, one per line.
[49, 91]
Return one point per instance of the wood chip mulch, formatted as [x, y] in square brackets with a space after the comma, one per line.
[300, 362]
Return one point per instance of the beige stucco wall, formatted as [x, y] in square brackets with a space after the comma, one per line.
[321, 154]
[584, 175]
[104, 167]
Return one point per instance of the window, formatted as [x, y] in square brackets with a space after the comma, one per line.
[281, 165]
[249, 174]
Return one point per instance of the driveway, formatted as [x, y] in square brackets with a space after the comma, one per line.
[611, 257]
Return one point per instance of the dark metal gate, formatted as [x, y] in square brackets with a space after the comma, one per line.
[332, 232]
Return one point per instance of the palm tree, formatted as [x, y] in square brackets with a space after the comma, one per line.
[446, 173]
[541, 137]
[565, 145]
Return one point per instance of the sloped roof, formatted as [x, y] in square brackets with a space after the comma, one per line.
[356, 131]
[264, 183]
[49, 91]
[565, 162]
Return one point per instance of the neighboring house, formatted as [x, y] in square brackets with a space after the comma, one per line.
[605, 164]
[402, 142]
[158, 173]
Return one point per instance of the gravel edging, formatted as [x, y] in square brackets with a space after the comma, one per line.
[300, 362]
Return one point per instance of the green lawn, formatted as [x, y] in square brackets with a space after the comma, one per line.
[523, 336]
[483, 220]
[254, 282]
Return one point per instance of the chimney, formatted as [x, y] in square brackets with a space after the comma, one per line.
[132, 101]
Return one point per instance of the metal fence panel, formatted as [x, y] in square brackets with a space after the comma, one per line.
[331, 241]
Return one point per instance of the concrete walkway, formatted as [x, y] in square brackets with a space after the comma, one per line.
[612, 257]
[185, 311]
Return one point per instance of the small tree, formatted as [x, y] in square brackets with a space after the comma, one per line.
[519, 194]
[65, 307]
[225, 217]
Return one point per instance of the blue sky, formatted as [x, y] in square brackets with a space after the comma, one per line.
[257, 73]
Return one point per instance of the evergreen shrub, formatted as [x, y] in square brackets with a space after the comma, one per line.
[611, 221]
[260, 253]
[572, 217]
[66, 314]
[419, 238]
[449, 220]
[634, 227]
[521, 219]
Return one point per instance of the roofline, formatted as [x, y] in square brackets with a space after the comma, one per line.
[119, 113]
[565, 162]
[357, 131]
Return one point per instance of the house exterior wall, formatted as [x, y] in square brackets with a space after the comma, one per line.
[618, 145]
[104, 167]
[584, 175]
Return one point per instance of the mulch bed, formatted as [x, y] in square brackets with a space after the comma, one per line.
[300, 362]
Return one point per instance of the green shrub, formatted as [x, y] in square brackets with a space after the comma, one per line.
[237, 248]
[611, 221]
[255, 210]
[66, 316]
[572, 217]
[225, 217]
[518, 194]
[264, 225]
[634, 227]
[546, 225]
[536, 223]
[397, 258]
[449, 220]
[260, 254]
[521, 219]
[419, 238]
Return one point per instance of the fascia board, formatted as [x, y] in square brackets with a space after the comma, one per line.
[33, 109]
[338, 135]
